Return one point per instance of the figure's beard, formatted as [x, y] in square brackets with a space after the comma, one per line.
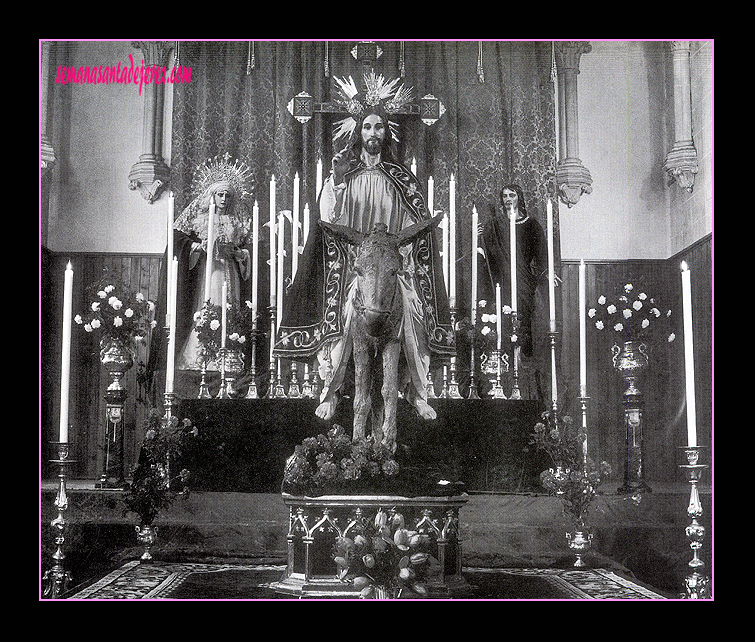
[373, 146]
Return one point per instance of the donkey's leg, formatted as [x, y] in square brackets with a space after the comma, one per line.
[362, 377]
[390, 392]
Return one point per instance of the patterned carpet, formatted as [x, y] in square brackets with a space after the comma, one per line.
[196, 581]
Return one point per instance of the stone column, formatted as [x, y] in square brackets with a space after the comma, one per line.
[150, 174]
[572, 178]
[681, 161]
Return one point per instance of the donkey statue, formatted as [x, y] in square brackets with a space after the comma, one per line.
[376, 322]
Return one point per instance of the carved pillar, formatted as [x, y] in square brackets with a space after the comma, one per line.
[150, 174]
[47, 153]
[572, 178]
[681, 161]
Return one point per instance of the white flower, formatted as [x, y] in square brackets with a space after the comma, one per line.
[506, 309]
[637, 305]
[102, 294]
[234, 336]
[602, 300]
[493, 318]
[78, 319]
[96, 323]
[249, 304]
[197, 316]
[645, 323]
[139, 297]
[671, 337]
[642, 296]
[153, 324]
[668, 314]
[109, 288]
[214, 324]
[128, 313]
[95, 306]
[611, 309]
[655, 312]
[117, 322]
[591, 312]
[627, 313]
[485, 318]
[482, 303]
[628, 287]
[242, 339]
[599, 325]
[485, 331]
[618, 327]
[88, 327]
[514, 338]
[115, 303]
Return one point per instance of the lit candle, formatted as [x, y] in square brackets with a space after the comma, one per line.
[210, 244]
[170, 368]
[430, 195]
[280, 261]
[452, 242]
[318, 178]
[498, 313]
[224, 315]
[445, 224]
[295, 230]
[512, 252]
[551, 270]
[474, 264]
[65, 372]
[689, 356]
[255, 257]
[168, 254]
[272, 243]
[582, 332]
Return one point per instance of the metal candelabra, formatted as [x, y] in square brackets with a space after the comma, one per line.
[697, 584]
[252, 392]
[56, 579]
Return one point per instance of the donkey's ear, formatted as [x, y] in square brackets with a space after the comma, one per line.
[343, 233]
[408, 234]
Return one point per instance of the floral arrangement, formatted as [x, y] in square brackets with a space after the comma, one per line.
[332, 462]
[383, 555]
[574, 477]
[484, 334]
[153, 488]
[633, 314]
[208, 324]
[116, 312]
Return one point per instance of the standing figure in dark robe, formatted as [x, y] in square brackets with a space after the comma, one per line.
[531, 259]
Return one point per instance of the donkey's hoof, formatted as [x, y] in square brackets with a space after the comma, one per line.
[425, 410]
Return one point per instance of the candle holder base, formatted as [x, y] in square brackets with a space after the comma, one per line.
[430, 387]
[697, 585]
[497, 391]
[57, 578]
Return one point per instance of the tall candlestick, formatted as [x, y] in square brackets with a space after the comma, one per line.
[168, 254]
[452, 242]
[170, 369]
[65, 371]
[280, 266]
[551, 270]
[445, 224]
[474, 264]
[255, 257]
[273, 289]
[689, 356]
[498, 321]
[224, 315]
[210, 244]
[582, 332]
[295, 229]
[512, 251]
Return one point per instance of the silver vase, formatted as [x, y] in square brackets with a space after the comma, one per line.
[580, 541]
[146, 534]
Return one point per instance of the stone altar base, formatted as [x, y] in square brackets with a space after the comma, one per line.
[316, 522]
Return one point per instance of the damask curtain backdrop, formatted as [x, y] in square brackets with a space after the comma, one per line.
[498, 126]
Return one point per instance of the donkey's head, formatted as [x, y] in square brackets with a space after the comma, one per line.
[377, 265]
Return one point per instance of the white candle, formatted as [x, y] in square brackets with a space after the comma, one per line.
[255, 257]
[168, 254]
[445, 224]
[295, 230]
[498, 313]
[279, 264]
[474, 264]
[430, 195]
[210, 244]
[414, 166]
[224, 315]
[551, 270]
[306, 224]
[170, 369]
[689, 356]
[318, 178]
[65, 371]
[512, 252]
[582, 332]
[273, 290]
[452, 242]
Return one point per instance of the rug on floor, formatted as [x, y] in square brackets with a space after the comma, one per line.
[198, 581]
